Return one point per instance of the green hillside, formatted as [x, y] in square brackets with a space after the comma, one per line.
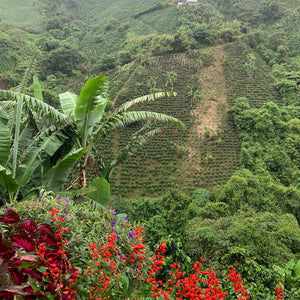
[26, 14]
[207, 152]
[153, 46]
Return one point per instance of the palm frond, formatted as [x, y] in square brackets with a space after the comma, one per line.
[37, 88]
[49, 144]
[38, 106]
[17, 135]
[144, 99]
[68, 104]
[58, 175]
[98, 158]
[5, 137]
[137, 141]
[8, 181]
[28, 74]
[25, 139]
[123, 119]
[7, 104]
[87, 101]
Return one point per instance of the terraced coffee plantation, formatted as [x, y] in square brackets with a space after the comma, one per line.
[247, 75]
[207, 152]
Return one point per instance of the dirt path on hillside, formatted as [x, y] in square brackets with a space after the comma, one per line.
[208, 115]
[213, 91]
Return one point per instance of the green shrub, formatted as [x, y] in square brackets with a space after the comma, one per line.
[269, 239]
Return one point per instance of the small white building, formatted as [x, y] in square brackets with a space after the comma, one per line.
[188, 2]
[191, 2]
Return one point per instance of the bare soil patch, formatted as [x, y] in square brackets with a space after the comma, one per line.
[3, 84]
[213, 91]
[208, 116]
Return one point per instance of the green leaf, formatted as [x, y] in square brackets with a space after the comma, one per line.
[4, 136]
[144, 99]
[99, 109]
[288, 269]
[87, 102]
[279, 270]
[42, 269]
[18, 119]
[58, 175]
[297, 270]
[37, 88]
[123, 119]
[102, 195]
[68, 103]
[124, 280]
[77, 193]
[7, 180]
[32, 161]
[26, 264]
[27, 76]
[38, 106]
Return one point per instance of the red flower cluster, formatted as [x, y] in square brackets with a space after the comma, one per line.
[100, 255]
[181, 285]
[237, 284]
[279, 292]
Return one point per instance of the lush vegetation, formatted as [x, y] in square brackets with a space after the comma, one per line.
[116, 266]
[133, 218]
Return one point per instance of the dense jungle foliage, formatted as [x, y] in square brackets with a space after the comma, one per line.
[223, 184]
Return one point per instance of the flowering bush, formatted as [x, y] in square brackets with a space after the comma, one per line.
[35, 256]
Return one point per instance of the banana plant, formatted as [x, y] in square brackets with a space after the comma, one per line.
[87, 111]
[289, 274]
[23, 149]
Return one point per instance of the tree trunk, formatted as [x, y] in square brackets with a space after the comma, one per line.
[82, 173]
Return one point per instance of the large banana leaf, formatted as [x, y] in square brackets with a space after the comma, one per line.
[87, 101]
[18, 119]
[138, 139]
[99, 110]
[123, 119]
[57, 176]
[144, 99]
[31, 162]
[68, 104]
[4, 136]
[27, 76]
[37, 88]
[8, 182]
[102, 194]
[38, 106]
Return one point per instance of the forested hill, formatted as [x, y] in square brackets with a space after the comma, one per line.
[210, 53]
